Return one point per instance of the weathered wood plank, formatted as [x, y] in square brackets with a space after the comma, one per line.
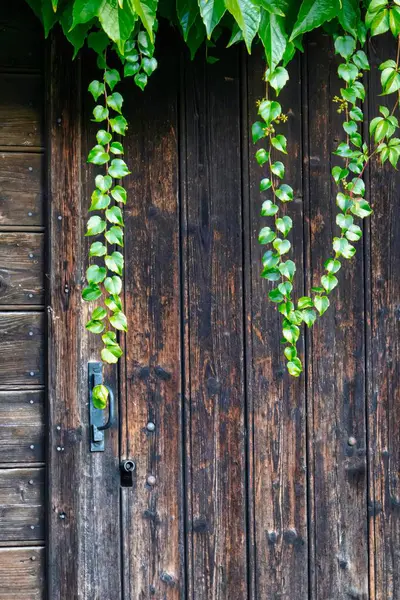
[384, 357]
[21, 110]
[21, 189]
[21, 40]
[22, 573]
[22, 348]
[278, 423]
[21, 504]
[21, 268]
[214, 359]
[337, 427]
[84, 520]
[21, 427]
[153, 512]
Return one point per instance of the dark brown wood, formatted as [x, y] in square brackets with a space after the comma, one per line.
[384, 358]
[21, 268]
[84, 521]
[337, 428]
[277, 477]
[22, 348]
[21, 504]
[21, 41]
[151, 383]
[214, 361]
[22, 573]
[21, 189]
[21, 427]
[21, 110]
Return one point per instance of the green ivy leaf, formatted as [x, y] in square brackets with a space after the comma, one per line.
[97, 40]
[294, 369]
[281, 246]
[95, 326]
[111, 355]
[119, 194]
[270, 274]
[291, 333]
[115, 262]
[275, 295]
[247, 16]
[97, 249]
[285, 288]
[273, 36]
[119, 125]
[103, 183]
[115, 101]
[309, 316]
[98, 155]
[360, 59]
[96, 88]
[266, 235]
[279, 142]
[349, 17]
[114, 215]
[287, 269]
[332, 265]
[278, 78]
[113, 285]
[338, 173]
[118, 168]
[270, 259]
[343, 201]
[130, 69]
[354, 233]
[100, 396]
[99, 201]
[99, 313]
[258, 131]
[344, 221]
[111, 77]
[95, 226]
[269, 209]
[141, 80]
[118, 320]
[265, 184]
[96, 274]
[284, 192]
[380, 23]
[114, 235]
[345, 45]
[278, 169]
[361, 209]
[211, 12]
[117, 22]
[269, 110]
[113, 303]
[262, 156]
[91, 292]
[100, 113]
[329, 282]
[146, 45]
[149, 65]
[313, 13]
[321, 303]
[284, 225]
[103, 137]
[348, 72]
[116, 148]
[305, 302]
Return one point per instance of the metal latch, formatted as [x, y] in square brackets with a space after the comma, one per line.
[127, 469]
[96, 415]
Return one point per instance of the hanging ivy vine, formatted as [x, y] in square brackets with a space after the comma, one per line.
[127, 28]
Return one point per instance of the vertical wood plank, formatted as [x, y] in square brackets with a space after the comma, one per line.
[384, 357]
[151, 381]
[337, 427]
[84, 545]
[278, 478]
[214, 359]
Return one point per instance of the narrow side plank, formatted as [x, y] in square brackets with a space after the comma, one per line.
[21, 427]
[22, 573]
[21, 110]
[21, 268]
[84, 521]
[278, 479]
[21, 504]
[337, 427]
[384, 389]
[21, 189]
[214, 360]
[153, 514]
[22, 348]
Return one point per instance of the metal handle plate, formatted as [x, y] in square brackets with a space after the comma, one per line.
[96, 415]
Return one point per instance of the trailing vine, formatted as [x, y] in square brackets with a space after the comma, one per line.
[127, 28]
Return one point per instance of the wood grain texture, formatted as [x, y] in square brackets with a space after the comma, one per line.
[22, 573]
[21, 40]
[21, 189]
[151, 388]
[21, 427]
[277, 477]
[84, 533]
[336, 401]
[21, 268]
[22, 348]
[384, 357]
[21, 110]
[214, 361]
[21, 504]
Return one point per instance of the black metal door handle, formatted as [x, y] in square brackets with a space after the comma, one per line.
[96, 415]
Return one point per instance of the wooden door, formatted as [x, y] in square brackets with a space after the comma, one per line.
[248, 484]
